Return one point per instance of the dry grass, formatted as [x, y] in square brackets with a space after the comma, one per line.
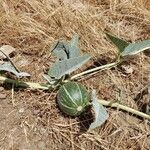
[34, 121]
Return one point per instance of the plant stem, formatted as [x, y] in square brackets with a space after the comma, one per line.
[25, 84]
[125, 108]
[48, 87]
[107, 66]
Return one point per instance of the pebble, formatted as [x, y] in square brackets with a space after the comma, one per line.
[21, 110]
[127, 69]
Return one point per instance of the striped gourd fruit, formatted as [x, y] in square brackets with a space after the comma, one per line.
[72, 98]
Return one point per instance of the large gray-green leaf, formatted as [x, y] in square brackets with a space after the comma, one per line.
[121, 44]
[67, 66]
[60, 51]
[10, 68]
[135, 48]
[72, 47]
[66, 50]
[101, 114]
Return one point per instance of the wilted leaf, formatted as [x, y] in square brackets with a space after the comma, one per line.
[60, 51]
[3, 95]
[1, 62]
[10, 68]
[121, 44]
[135, 48]
[67, 66]
[101, 114]
[72, 47]
[7, 49]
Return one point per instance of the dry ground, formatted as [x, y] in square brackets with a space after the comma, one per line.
[31, 120]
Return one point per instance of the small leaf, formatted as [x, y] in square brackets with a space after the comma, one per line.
[67, 66]
[6, 49]
[60, 51]
[10, 68]
[72, 47]
[101, 114]
[147, 109]
[49, 79]
[121, 44]
[135, 48]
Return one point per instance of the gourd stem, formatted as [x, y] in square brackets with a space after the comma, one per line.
[125, 108]
[103, 67]
[46, 86]
[26, 84]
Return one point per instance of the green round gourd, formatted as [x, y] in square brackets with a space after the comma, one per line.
[72, 98]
